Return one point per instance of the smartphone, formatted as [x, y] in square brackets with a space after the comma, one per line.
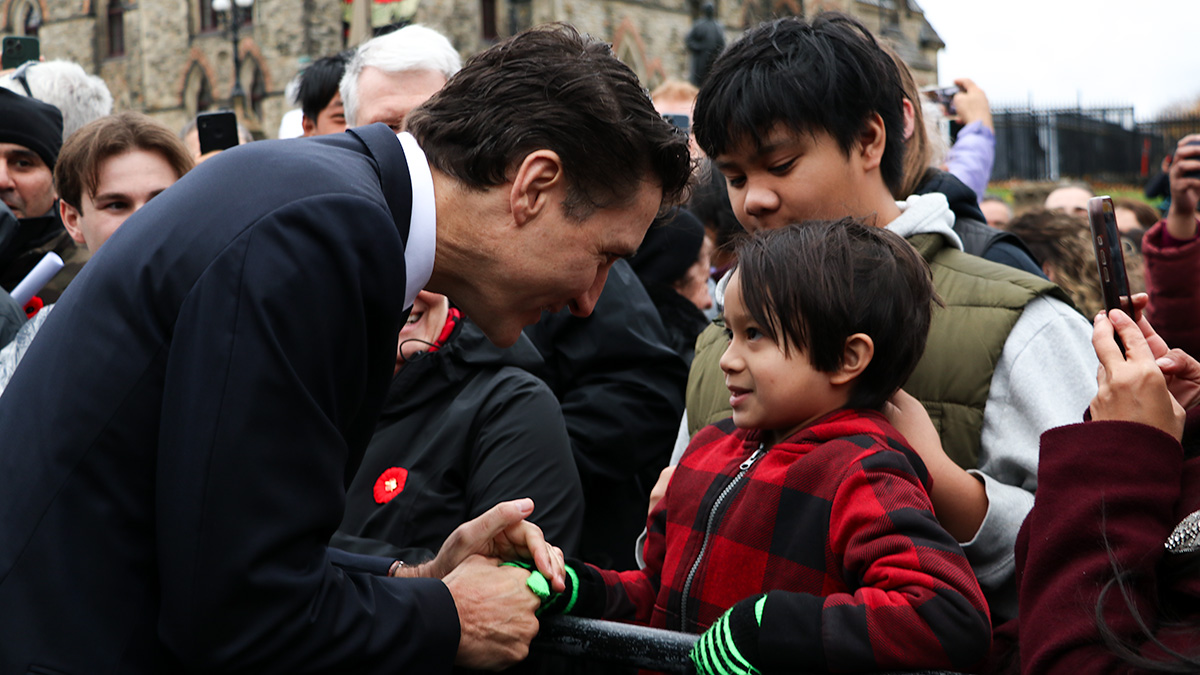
[1110, 261]
[944, 96]
[678, 121]
[218, 130]
[18, 50]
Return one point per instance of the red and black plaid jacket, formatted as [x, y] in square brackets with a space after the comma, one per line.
[837, 521]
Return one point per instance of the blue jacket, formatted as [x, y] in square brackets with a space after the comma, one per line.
[206, 388]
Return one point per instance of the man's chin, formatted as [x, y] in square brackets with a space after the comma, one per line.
[502, 335]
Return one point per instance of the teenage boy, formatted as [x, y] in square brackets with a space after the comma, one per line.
[106, 171]
[806, 120]
[799, 536]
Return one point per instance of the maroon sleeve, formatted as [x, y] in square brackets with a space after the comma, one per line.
[1172, 280]
[1106, 495]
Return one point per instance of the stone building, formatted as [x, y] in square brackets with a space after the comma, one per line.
[173, 58]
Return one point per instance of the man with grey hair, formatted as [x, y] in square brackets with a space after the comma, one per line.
[82, 98]
[394, 73]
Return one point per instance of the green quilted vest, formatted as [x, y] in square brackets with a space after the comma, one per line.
[983, 301]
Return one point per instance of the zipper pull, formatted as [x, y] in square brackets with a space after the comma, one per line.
[751, 459]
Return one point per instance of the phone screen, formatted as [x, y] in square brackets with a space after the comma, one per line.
[1110, 261]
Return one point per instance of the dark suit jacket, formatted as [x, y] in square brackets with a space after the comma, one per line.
[205, 391]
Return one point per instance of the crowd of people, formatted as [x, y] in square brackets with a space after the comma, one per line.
[379, 398]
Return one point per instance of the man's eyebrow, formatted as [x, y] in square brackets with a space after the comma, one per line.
[111, 195]
[22, 153]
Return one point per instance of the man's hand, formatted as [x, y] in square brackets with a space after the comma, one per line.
[1132, 388]
[1185, 192]
[1181, 370]
[496, 612]
[971, 104]
[502, 532]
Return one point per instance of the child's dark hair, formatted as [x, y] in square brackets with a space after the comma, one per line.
[830, 75]
[319, 83]
[811, 286]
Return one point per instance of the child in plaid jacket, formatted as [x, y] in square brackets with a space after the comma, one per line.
[799, 535]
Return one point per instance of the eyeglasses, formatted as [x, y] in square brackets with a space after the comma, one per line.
[20, 75]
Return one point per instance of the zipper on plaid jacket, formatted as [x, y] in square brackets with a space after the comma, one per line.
[709, 529]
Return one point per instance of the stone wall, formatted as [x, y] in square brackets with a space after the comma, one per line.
[166, 55]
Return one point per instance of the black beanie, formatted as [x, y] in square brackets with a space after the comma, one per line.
[671, 246]
[31, 123]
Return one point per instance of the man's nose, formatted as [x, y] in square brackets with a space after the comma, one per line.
[6, 181]
[760, 201]
[584, 303]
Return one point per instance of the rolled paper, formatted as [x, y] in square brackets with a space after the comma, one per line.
[39, 276]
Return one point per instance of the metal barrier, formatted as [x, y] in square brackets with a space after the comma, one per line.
[623, 644]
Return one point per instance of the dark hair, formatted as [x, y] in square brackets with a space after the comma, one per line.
[319, 82]
[828, 76]
[552, 88]
[817, 283]
[77, 172]
[710, 203]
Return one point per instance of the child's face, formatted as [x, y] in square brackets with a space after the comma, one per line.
[768, 389]
[793, 177]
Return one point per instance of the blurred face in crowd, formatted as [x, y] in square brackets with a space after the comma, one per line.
[126, 182]
[424, 325]
[1069, 200]
[389, 97]
[1127, 220]
[996, 213]
[694, 284]
[26, 183]
[331, 119]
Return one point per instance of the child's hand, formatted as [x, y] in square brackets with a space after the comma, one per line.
[660, 488]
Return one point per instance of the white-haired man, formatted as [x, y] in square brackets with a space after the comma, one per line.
[81, 97]
[394, 73]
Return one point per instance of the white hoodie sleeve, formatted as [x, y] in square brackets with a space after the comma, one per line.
[1045, 378]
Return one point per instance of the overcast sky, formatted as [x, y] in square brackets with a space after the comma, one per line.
[1099, 51]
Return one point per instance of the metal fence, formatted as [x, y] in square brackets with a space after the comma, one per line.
[1104, 144]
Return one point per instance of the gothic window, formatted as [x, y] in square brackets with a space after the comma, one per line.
[197, 91]
[26, 18]
[258, 90]
[208, 17]
[116, 28]
[487, 19]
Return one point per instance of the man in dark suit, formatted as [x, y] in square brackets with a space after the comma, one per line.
[210, 381]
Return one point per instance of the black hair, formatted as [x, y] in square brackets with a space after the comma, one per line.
[829, 76]
[552, 88]
[319, 83]
[812, 285]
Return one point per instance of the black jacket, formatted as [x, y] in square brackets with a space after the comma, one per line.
[621, 388]
[205, 391]
[463, 428]
[977, 236]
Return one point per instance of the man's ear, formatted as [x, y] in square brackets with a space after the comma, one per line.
[910, 120]
[538, 183]
[70, 219]
[872, 139]
[857, 353]
[308, 125]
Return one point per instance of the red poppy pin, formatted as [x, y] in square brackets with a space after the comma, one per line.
[389, 484]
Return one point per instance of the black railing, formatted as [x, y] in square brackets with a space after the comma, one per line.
[621, 644]
[1097, 144]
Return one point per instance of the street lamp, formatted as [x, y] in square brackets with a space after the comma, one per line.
[234, 14]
